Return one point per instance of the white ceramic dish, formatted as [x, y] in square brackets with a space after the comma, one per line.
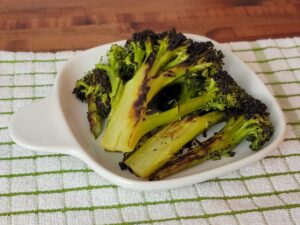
[58, 124]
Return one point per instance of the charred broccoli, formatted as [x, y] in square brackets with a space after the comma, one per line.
[250, 122]
[93, 89]
[165, 144]
[157, 61]
[158, 92]
[219, 92]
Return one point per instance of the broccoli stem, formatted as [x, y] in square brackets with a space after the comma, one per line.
[123, 117]
[93, 117]
[235, 130]
[160, 118]
[162, 146]
[192, 158]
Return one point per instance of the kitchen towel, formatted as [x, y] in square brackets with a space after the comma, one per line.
[40, 188]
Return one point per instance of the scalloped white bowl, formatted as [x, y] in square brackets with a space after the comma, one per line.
[58, 124]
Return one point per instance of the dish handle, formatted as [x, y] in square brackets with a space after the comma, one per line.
[41, 127]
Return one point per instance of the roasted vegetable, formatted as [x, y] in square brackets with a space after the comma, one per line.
[158, 60]
[250, 122]
[161, 90]
[93, 89]
[165, 144]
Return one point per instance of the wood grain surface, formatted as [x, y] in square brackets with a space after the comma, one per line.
[51, 25]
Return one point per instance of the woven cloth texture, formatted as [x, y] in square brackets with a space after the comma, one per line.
[42, 188]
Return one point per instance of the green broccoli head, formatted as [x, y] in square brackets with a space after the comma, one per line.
[255, 128]
[190, 85]
[171, 39]
[223, 92]
[172, 49]
[260, 131]
[205, 58]
[116, 56]
[94, 82]
[141, 39]
[93, 89]
[252, 122]
[119, 64]
[195, 91]
[140, 47]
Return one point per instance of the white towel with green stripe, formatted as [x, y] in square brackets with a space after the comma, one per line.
[40, 188]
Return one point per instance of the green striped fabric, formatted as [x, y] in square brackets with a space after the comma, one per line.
[43, 188]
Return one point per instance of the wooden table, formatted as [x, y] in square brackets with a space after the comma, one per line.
[35, 25]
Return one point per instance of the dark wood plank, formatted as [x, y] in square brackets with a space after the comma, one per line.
[53, 25]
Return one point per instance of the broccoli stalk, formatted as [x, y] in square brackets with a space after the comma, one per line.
[220, 92]
[250, 123]
[157, 60]
[165, 144]
[94, 114]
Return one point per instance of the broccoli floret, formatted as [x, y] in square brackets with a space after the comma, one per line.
[190, 85]
[250, 122]
[117, 70]
[93, 89]
[155, 151]
[220, 92]
[101, 87]
[140, 46]
[217, 92]
[157, 61]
